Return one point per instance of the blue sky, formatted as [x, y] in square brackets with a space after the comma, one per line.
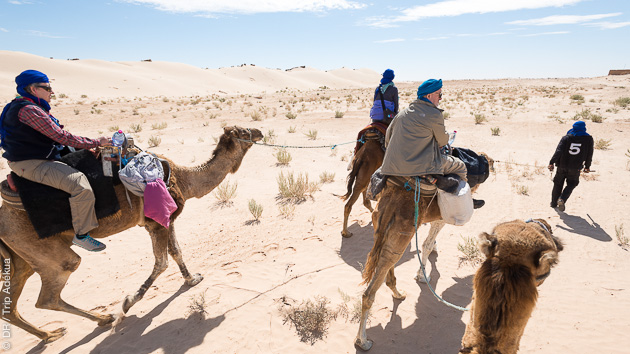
[454, 39]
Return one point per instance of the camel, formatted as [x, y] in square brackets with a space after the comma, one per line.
[23, 253]
[519, 257]
[367, 160]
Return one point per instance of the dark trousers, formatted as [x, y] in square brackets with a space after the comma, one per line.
[571, 176]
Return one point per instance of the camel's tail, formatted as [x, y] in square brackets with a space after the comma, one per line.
[352, 176]
[381, 226]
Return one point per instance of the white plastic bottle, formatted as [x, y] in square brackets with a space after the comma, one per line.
[118, 138]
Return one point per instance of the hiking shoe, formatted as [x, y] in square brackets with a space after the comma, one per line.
[561, 205]
[87, 242]
[478, 203]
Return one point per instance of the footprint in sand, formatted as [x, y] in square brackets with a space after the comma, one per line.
[233, 276]
[312, 238]
[258, 256]
[230, 265]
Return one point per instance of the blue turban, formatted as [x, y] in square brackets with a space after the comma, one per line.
[428, 87]
[388, 76]
[28, 77]
[579, 129]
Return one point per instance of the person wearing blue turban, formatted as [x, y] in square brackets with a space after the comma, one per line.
[386, 94]
[32, 139]
[573, 153]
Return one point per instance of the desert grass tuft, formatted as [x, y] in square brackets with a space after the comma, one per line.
[136, 128]
[622, 102]
[198, 305]
[470, 252]
[225, 192]
[283, 156]
[255, 209]
[339, 114]
[623, 240]
[154, 141]
[287, 211]
[326, 177]
[495, 131]
[480, 118]
[295, 188]
[159, 126]
[602, 144]
[312, 134]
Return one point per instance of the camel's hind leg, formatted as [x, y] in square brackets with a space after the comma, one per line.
[176, 253]
[366, 202]
[347, 209]
[391, 253]
[360, 185]
[427, 248]
[54, 272]
[19, 271]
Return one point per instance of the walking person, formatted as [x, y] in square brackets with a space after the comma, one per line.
[574, 153]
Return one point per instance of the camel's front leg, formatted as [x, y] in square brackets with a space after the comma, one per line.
[427, 248]
[367, 202]
[176, 253]
[346, 212]
[160, 240]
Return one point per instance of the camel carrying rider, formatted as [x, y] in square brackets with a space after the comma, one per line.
[32, 140]
[415, 138]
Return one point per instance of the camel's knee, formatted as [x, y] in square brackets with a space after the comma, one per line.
[72, 264]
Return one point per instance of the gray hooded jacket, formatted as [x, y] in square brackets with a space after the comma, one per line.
[413, 141]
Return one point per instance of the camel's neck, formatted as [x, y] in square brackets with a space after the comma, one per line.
[198, 181]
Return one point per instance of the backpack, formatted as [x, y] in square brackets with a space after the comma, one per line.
[143, 168]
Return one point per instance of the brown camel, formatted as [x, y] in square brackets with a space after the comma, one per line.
[519, 257]
[367, 160]
[23, 253]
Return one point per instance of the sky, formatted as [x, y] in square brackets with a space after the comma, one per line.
[452, 39]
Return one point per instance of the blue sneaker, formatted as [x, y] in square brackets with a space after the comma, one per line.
[87, 242]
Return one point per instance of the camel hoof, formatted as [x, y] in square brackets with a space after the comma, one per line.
[420, 278]
[54, 335]
[401, 295]
[367, 345]
[127, 303]
[107, 320]
[194, 280]
[346, 234]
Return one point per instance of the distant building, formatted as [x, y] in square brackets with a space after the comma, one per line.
[619, 72]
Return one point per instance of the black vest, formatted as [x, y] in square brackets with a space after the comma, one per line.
[21, 142]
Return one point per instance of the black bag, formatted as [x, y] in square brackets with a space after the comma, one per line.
[388, 115]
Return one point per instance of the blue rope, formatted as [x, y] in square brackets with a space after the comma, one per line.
[333, 146]
[416, 199]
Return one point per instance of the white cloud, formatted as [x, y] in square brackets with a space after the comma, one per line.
[247, 6]
[390, 40]
[3, 29]
[544, 34]
[608, 25]
[562, 20]
[431, 38]
[17, 2]
[42, 34]
[461, 7]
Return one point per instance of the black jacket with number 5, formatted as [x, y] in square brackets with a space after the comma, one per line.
[573, 152]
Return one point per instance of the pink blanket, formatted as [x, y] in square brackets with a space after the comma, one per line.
[158, 203]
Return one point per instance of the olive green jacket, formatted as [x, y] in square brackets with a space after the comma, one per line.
[413, 141]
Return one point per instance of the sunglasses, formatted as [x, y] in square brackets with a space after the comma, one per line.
[47, 88]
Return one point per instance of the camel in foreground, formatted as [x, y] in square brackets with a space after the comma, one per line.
[54, 260]
[519, 257]
[366, 161]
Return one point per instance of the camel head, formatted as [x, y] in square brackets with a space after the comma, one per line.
[528, 244]
[235, 142]
[245, 135]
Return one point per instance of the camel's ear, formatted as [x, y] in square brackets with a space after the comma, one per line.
[487, 244]
[228, 130]
[548, 259]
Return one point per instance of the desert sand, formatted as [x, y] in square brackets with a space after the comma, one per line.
[256, 271]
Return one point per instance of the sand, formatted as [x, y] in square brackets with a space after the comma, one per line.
[253, 270]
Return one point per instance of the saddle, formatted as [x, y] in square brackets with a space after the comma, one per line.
[48, 208]
[373, 131]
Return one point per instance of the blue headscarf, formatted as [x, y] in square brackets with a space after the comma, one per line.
[26, 78]
[579, 129]
[428, 87]
[388, 76]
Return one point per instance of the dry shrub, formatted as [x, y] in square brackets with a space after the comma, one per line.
[255, 209]
[225, 192]
[480, 118]
[311, 319]
[295, 188]
[326, 177]
[602, 144]
[154, 141]
[624, 241]
[283, 157]
[352, 314]
[287, 210]
[495, 131]
[470, 252]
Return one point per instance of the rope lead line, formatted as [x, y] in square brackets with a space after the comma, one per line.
[416, 199]
[333, 146]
